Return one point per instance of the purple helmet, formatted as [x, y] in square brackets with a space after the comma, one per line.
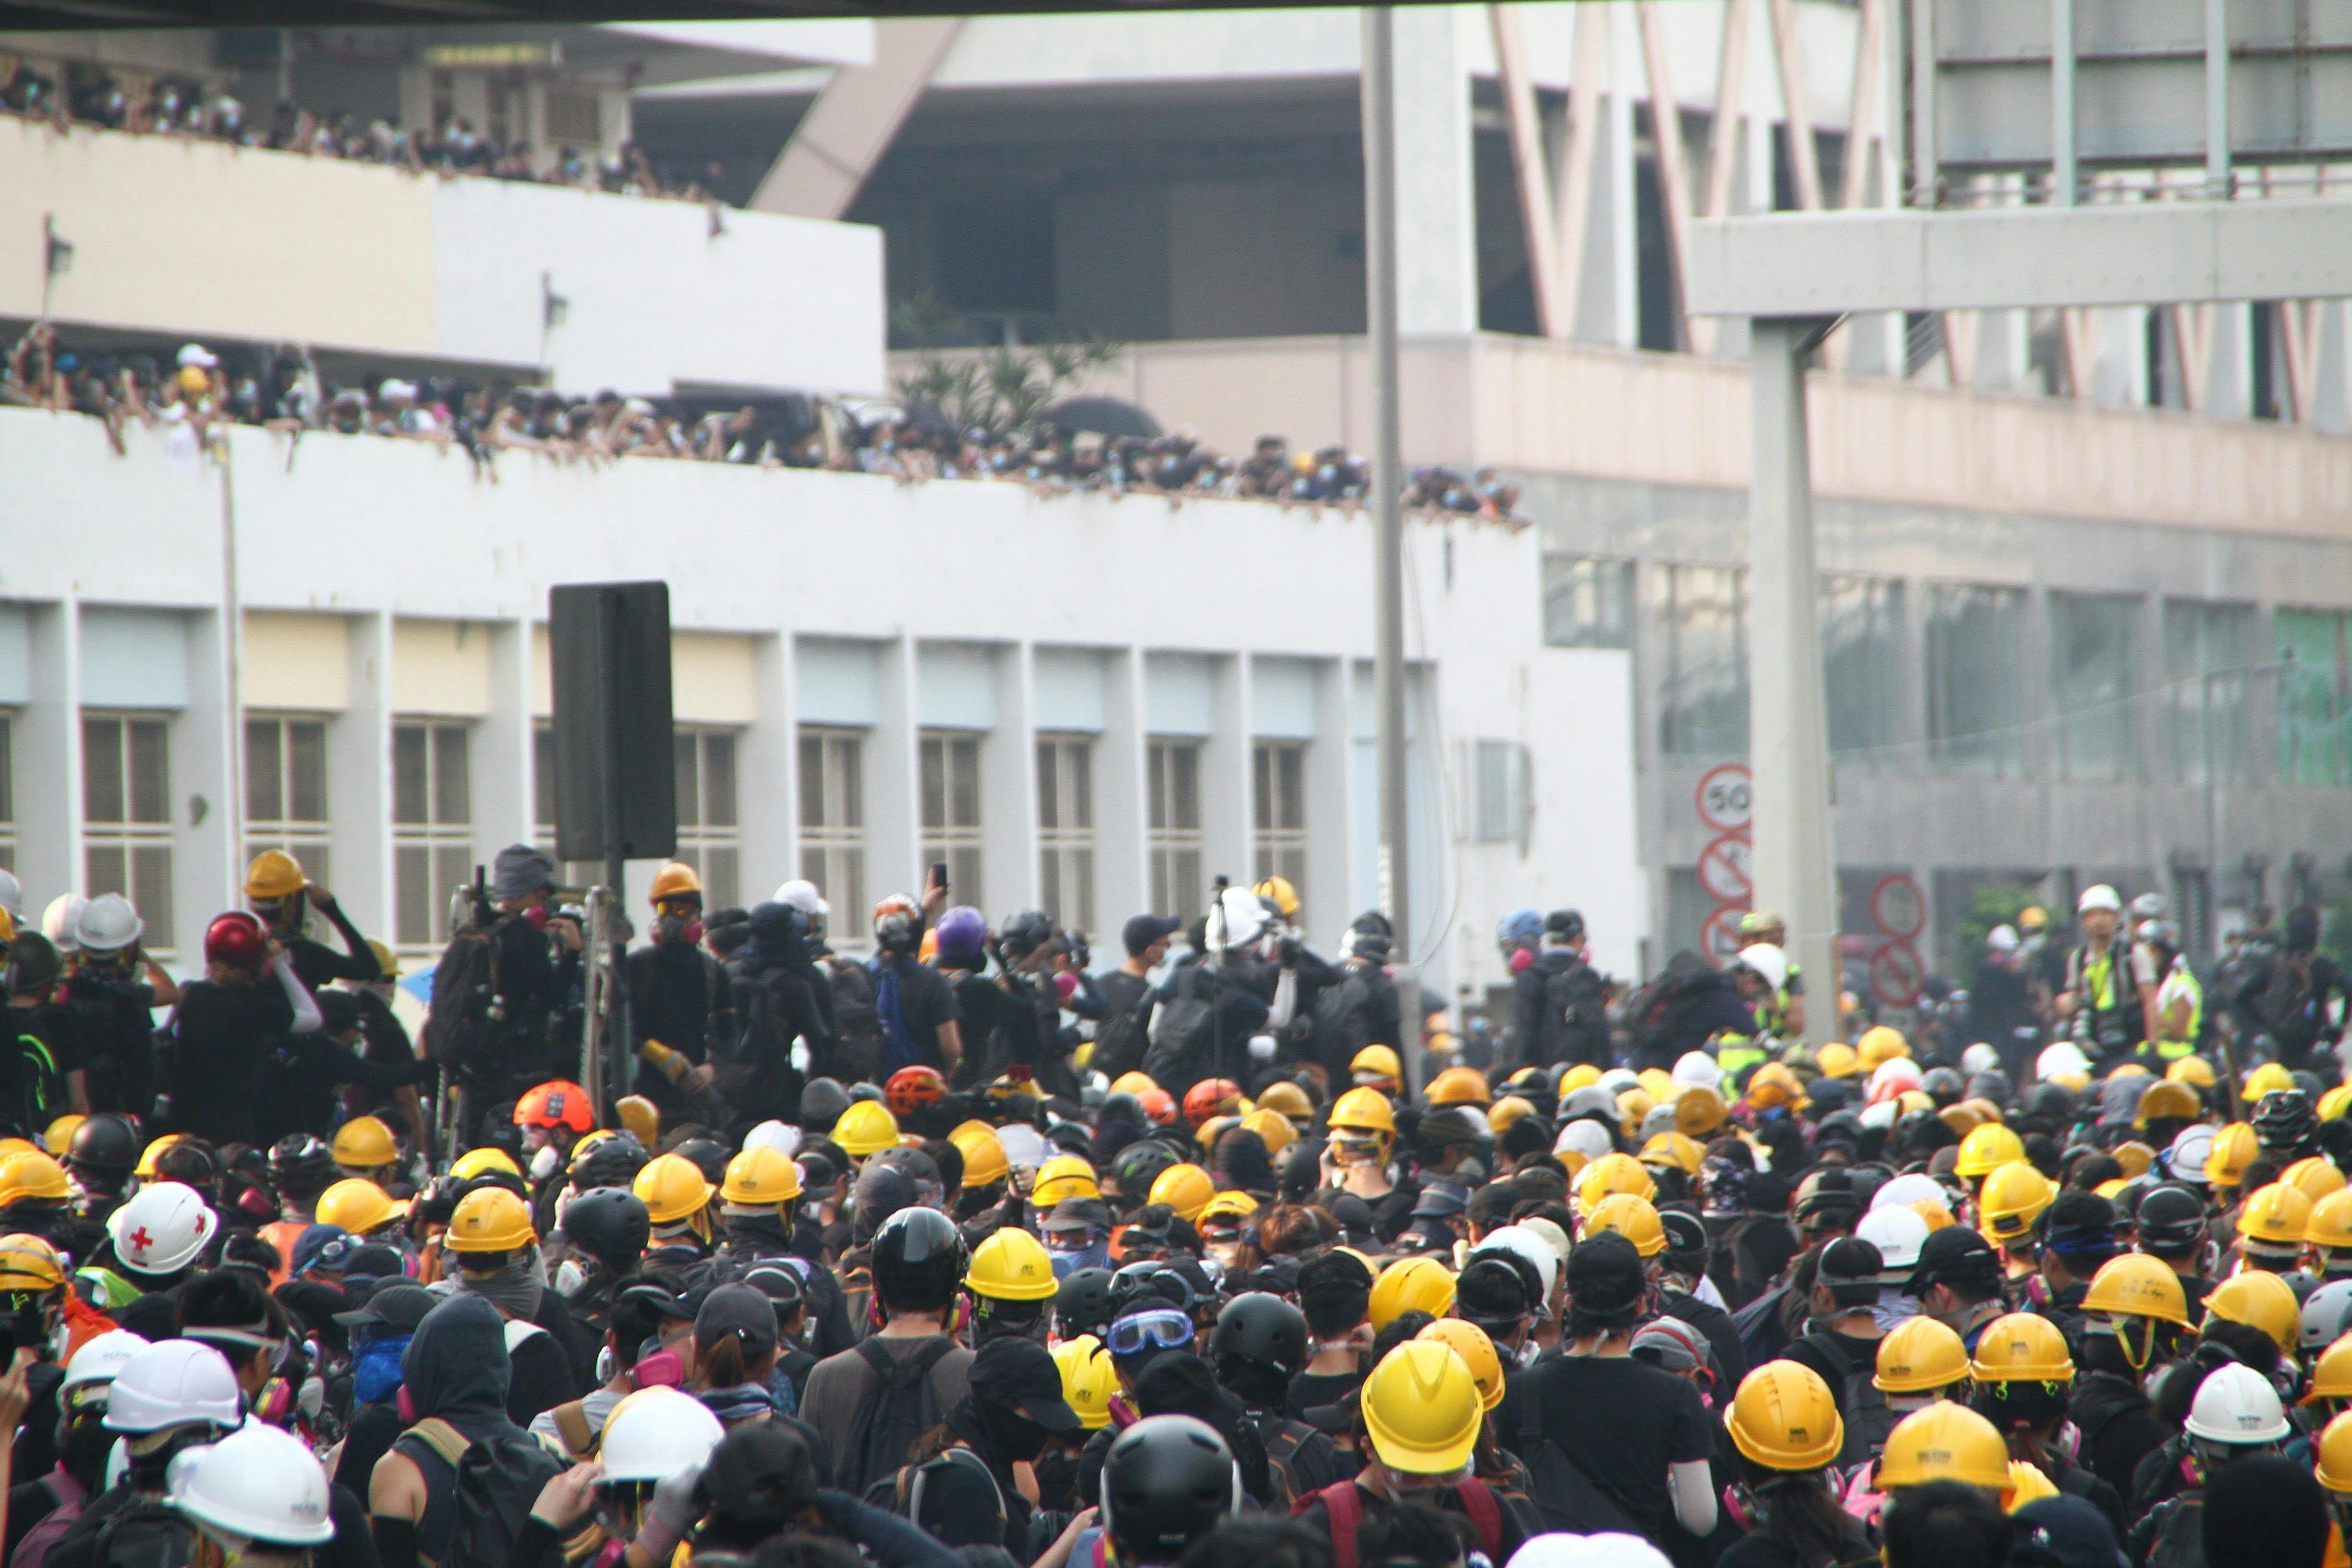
[963, 932]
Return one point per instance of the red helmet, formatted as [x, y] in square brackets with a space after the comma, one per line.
[1159, 1105]
[1211, 1097]
[557, 1104]
[237, 939]
[911, 1089]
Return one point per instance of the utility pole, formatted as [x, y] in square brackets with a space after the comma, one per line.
[1387, 462]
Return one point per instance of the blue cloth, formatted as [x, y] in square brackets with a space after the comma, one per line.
[898, 1048]
[742, 1402]
[1096, 1254]
[375, 1368]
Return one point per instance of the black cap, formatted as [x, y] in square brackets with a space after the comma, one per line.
[1071, 1213]
[1490, 1290]
[1604, 1275]
[397, 1307]
[741, 1310]
[2063, 1532]
[1018, 1374]
[1141, 930]
[1441, 1200]
[1955, 1253]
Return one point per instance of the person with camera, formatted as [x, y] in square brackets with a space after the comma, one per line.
[502, 983]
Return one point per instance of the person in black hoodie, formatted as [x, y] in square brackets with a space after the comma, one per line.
[455, 1370]
[1013, 1413]
[681, 999]
[780, 996]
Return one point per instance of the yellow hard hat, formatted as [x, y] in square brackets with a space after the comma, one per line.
[274, 874]
[1377, 1062]
[2335, 1467]
[2315, 1178]
[1634, 1107]
[2011, 1199]
[490, 1219]
[1477, 1352]
[1631, 1217]
[2263, 1300]
[1088, 1380]
[1658, 1081]
[1987, 1150]
[2334, 1102]
[672, 1187]
[1187, 1189]
[1288, 1099]
[1227, 1205]
[488, 1157]
[1285, 896]
[1678, 1150]
[1584, 1075]
[676, 879]
[1785, 1418]
[1364, 1110]
[387, 962]
[2134, 1156]
[2166, 1100]
[1772, 1086]
[1011, 1266]
[1459, 1086]
[2023, 1347]
[2331, 1374]
[2135, 1285]
[2264, 1078]
[1700, 1111]
[865, 1127]
[1411, 1284]
[1936, 1216]
[29, 1263]
[2277, 1213]
[2330, 1225]
[2195, 1071]
[1504, 1111]
[1133, 1083]
[1063, 1176]
[1963, 1118]
[1920, 1353]
[1837, 1059]
[641, 1117]
[364, 1143]
[1945, 1442]
[1421, 1407]
[2026, 1484]
[1272, 1129]
[59, 1138]
[358, 1205]
[1612, 1174]
[760, 1177]
[984, 1160]
[2236, 1147]
[1880, 1044]
[31, 1176]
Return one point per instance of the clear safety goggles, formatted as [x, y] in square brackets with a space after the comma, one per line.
[1160, 1330]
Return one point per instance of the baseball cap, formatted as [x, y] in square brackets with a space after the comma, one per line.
[2063, 1532]
[1441, 1200]
[397, 1307]
[1078, 1214]
[1018, 1374]
[1141, 930]
[742, 1310]
[1604, 1274]
[1955, 1252]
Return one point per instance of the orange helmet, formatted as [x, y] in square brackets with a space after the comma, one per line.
[911, 1089]
[558, 1103]
[1211, 1097]
[1159, 1105]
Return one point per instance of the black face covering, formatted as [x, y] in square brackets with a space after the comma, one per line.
[83, 1443]
[1016, 1436]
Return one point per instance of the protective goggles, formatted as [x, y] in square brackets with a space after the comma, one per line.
[1159, 1330]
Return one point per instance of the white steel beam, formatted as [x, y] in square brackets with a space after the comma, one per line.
[1555, 309]
[854, 121]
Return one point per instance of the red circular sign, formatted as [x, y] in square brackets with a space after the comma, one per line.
[1897, 907]
[1726, 797]
[1719, 937]
[1727, 870]
[1897, 975]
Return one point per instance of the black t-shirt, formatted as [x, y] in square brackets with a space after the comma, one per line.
[1121, 991]
[1762, 1552]
[1313, 1390]
[222, 1040]
[316, 964]
[117, 1040]
[1621, 1421]
[679, 995]
[1861, 1355]
[926, 1001]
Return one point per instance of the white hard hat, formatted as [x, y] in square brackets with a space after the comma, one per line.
[161, 1228]
[1616, 1081]
[256, 1484]
[1767, 961]
[100, 1359]
[1891, 1077]
[60, 920]
[1879, 1116]
[1696, 1067]
[107, 924]
[2065, 1057]
[656, 1432]
[1609, 1549]
[782, 1136]
[1586, 1137]
[1235, 920]
[2327, 1314]
[1980, 1058]
[802, 894]
[1520, 1242]
[2185, 1160]
[2099, 896]
[2235, 1403]
[173, 1383]
[1660, 1119]
[1909, 1189]
[12, 894]
[2001, 939]
[1898, 1234]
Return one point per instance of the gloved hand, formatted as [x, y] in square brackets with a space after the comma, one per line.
[671, 1515]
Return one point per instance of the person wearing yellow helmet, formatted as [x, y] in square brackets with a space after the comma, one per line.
[2021, 1378]
[1356, 1156]
[1377, 1068]
[2134, 1317]
[1011, 1281]
[492, 1248]
[1786, 1432]
[682, 999]
[277, 889]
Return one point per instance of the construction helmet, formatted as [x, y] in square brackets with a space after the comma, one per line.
[58, 1135]
[1272, 1129]
[759, 1178]
[1283, 897]
[1211, 1098]
[2263, 1300]
[1987, 1150]
[1785, 1418]
[1421, 1407]
[1459, 1086]
[1507, 1111]
[2330, 1225]
[676, 879]
[1772, 1086]
[1225, 1205]
[2195, 1071]
[490, 1220]
[1063, 1176]
[2026, 1484]
[984, 1161]
[274, 874]
[29, 1263]
[2315, 1178]
[2134, 1156]
[1288, 1099]
[865, 1127]
[2277, 1213]
[364, 1143]
[2011, 1199]
[1088, 1380]
[1676, 1148]
[2023, 1347]
[2262, 1079]
[1185, 1188]
[163, 1229]
[1837, 1059]
[655, 1433]
[1631, 1217]
[1700, 1111]
[2335, 1467]
[673, 1188]
[1011, 1266]
[1920, 1354]
[1375, 1065]
[32, 1177]
[2334, 1102]
[2166, 1100]
[359, 1205]
[173, 1383]
[1132, 1083]
[1880, 1044]
[1612, 1174]
[387, 962]
[1411, 1284]
[488, 1157]
[1364, 1110]
[640, 1117]
[1945, 1442]
[1634, 1107]
[1158, 1106]
[912, 1088]
[1477, 1352]
[2135, 1285]
[2236, 1147]
[556, 1103]
[2237, 1405]
[2331, 1374]
[2327, 1314]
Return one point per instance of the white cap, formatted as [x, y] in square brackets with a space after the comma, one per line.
[2099, 896]
[802, 894]
[198, 355]
[654, 1433]
[256, 1484]
[2236, 1405]
[395, 387]
[1616, 1081]
[2001, 939]
[173, 1383]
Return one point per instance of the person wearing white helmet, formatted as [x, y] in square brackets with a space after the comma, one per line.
[169, 1397]
[60, 920]
[2235, 1415]
[159, 1236]
[2100, 1006]
[39, 1515]
[113, 989]
[1697, 1069]
[257, 1497]
[1609, 1549]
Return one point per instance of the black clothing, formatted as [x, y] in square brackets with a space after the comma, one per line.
[2118, 1426]
[353, 1546]
[926, 1000]
[1313, 1390]
[1621, 1421]
[117, 1040]
[498, 990]
[1220, 1047]
[1722, 1334]
[1758, 1550]
[1746, 1253]
[2323, 987]
[220, 1041]
[1684, 1008]
[316, 964]
[1005, 1027]
[455, 1368]
[57, 1031]
[681, 996]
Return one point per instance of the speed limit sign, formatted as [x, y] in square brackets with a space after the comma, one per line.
[1726, 797]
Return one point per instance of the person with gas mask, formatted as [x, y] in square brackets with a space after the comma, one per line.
[276, 891]
[500, 986]
[2134, 1317]
[231, 1309]
[172, 1396]
[681, 999]
[1355, 1162]
[1077, 1235]
[759, 1223]
[113, 990]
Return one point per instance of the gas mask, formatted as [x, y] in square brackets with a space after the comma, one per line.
[681, 925]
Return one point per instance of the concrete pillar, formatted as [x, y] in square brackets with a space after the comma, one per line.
[1122, 806]
[1331, 805]
[47, 739]
[505, 798]
[1615, 206]
[1795, 862]
[767, 774]
[2230, 375]
[1437, 228]
[1008, 787]
[894, 833]
[359, 779]
[205, 876]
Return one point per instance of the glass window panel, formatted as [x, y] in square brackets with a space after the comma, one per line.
[722, 876]
[151, 771]
[719, 781]
[412, 867]
[1184, 900]
[106, 869]
[1861, 668]
[1082, 885]
[1262, 786]
[813, 782]
[2200, 639]
[933, 752]
[1184, 787]
[542, 777]
[8, 769]
[687, 777]
[1082, 783]
[1156, 813]
[264, 772]
[1975, 680]
[965, 796]
[849, 873]
[1703, 696]
[2092, 682]
[1494, 791]
[1588, 602]
[851, 753]
[2315, 697]
[1049, 799]
[812, 868]
[452, 783]
[453, 868]
[151, 885]
[101, 771]
[963, 874]
[409, 773]
[306, 770]
[1292, 791]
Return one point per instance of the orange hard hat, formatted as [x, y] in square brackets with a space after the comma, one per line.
[1159, 1105]
[558, 1103]
[1211, 1097]
[911, 1089]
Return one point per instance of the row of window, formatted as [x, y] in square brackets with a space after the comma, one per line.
[2108, 693]
[128, 823]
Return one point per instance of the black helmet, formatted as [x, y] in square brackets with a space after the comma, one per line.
[2284, 1121]
[1140, 1164]
[2052, 1102]
[1083, 1302]
[919, 1261]
[1165, 1482]
[822, 1102]
[32, 964]
[1024, 932]
[1264, 1330]
[1124, 1106]
[106, 1144]
[2171, 1219]
[707, 1155]
[1944, 1085]
[610, 1223]
[192, 1163]
[1152, 1277]
[1449, 1125]
[865, 1090]
[300, 1164]
[612, 1162]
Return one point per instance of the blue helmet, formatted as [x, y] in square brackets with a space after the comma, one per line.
[963, 934]
[1518, 929]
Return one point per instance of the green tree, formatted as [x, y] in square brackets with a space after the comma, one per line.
[1003, 389]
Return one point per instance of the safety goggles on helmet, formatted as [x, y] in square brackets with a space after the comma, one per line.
[1160, 1328]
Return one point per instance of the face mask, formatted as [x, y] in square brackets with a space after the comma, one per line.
[1094, 1255]
[569, 1279]
[537, 915]
[543, 1163]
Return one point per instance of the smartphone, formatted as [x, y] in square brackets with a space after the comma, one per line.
[939, 875]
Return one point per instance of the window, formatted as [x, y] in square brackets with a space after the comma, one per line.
[1173, 817]
[126, 812]
[1975, 680]
[431, 827]
[709, 828]
[1278, 795]
[1861, 668]
[2315, 697]
[2091, 686]
[1498, 790]
[1066, 828]
[1703, 693]
[2199, 638]
[1588, 602]
[286, 791]
[8, 791]
[832, 824]
[950, 791]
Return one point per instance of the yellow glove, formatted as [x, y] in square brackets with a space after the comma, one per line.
[672, 1065]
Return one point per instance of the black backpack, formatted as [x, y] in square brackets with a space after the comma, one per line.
[1861, 1403]
[143, 1533]
[1576, 1016]
[892, 1417]
[2284, 1001]
[1121, 1038]
[1655, 1007]
[1343, 1017]
[1183, 1044]
[497, 1482]
[953, 1476]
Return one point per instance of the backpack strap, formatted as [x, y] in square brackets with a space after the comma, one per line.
[1343, 1505]
[572, 1425]
[1486, 1513]
[441, 1438]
